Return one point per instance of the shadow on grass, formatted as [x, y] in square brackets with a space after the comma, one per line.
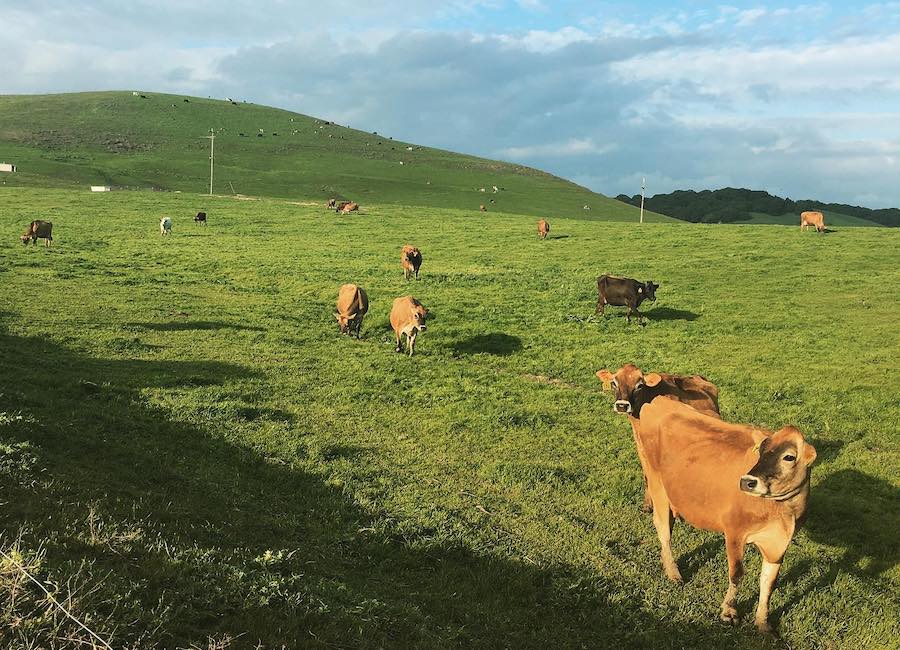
[201, 537]
[669, 313]
[186, 325]
[493, 343]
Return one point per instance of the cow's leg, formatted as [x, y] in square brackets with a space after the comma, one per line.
[628, 314]
[772, 551]
[399, 337]
[734, 547]
[662, 521]
[411, 341]
[601, 305]
[648, 502]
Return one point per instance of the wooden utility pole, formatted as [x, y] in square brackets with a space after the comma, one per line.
[643, 183]
[212, 150]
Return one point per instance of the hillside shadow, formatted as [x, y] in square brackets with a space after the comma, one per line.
[670, 313]
[233, 542]
[494, 343]
[185, 325]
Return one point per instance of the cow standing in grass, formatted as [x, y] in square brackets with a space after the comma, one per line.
[811, 218]
[410, 260]
[352, 305]
[407, 317]
[624, 292]
[165, 226]
[38, 230]
[543, 229]
[200, 218]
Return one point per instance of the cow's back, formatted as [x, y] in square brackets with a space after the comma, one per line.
[350, 297]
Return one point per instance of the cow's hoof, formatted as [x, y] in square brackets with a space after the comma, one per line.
[765, 628]
[675, 576]
[729, 616]
[647, 507]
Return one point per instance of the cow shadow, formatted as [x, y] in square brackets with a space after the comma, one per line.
[859, 515]
[495, 343]
[558, 236]
[670, 313]
[210, 537]
[187, 325]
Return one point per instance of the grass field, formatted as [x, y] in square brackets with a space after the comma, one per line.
[191, 456]
[115, 138]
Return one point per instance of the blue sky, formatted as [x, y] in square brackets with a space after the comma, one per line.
[800, 99]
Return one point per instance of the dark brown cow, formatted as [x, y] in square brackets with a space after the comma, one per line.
[410, 260]
[624, 292]
[543, 229]
[200, 218]
[352, 305]
[812, 218]
[634, 389]
[752, 485]
[407, 317]
[38, 230]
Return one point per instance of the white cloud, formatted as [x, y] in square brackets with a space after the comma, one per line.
[571, 147]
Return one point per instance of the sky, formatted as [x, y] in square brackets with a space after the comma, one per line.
[799, 99]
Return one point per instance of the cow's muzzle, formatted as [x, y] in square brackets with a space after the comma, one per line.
[622, 406]
[752, 485]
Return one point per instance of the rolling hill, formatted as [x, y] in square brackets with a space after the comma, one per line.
[159, 141]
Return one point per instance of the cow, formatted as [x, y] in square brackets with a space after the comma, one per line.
[165, 226]
[811, 218]
[634, 389]
[352, 305]
[200, 218]
[340, 205]
[482, 208]
[624, 292]
[543, 228]
[410, 260]
[407, 317]
[331, 203]
[750, 484]
[38, 229]
[349, 207]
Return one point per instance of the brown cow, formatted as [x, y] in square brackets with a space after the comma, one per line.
[352, 305]
[349, 207]
[634, 389]
[812, 218]
[749, 484]
[340, 205]
[38, 230]
[543, 229]
[407, 317]
[482, 208]
[410, 260]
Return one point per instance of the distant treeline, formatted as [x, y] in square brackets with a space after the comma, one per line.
[730, 204]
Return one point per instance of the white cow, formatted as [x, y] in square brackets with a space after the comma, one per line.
[165, 226]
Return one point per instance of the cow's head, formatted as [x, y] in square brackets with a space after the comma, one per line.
[419, 315]
[650, 290]
[630, 386]
[782, 468]
[344, 321]
[25, 238]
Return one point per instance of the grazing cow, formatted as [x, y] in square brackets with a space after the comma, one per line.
[332, 203]
[410, 260]
[38, 229]
[810, 218]
[165, 226]
[352, 305]
[634, 389]
[543, 228]
[200, 218]
[407, 317]
[349, 207]
[482, 208]
[624, 292]
[749, 484]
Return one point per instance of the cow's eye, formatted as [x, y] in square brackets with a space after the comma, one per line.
[790, 458]
[614, 383]
[639, 383]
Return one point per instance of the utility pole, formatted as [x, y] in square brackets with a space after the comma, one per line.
[643, 183]
[212, 149]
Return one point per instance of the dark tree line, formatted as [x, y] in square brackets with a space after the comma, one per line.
[730, 205]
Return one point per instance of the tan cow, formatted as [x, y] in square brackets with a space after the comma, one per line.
[407, 317]
[811, 218]
[352, 305]
[543, 229]
[349, 207]
[410, 260]
[634, 389]
[482, 208]
[752, 485]
[38, 229]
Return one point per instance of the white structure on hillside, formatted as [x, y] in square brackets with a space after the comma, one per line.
[7, 167]
[100, 188]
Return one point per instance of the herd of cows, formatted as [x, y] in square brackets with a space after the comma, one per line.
[750, 484]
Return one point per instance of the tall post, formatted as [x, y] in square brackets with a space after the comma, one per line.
[212, 150]
[643, 183]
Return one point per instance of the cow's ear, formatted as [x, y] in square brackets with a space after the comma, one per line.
[652, 379]
[809, 454]
[758, 437]
[606, 377]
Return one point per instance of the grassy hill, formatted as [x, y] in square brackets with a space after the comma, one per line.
[192, 456]
[115, 138]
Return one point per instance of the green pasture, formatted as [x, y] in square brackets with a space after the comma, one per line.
[191, 456]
